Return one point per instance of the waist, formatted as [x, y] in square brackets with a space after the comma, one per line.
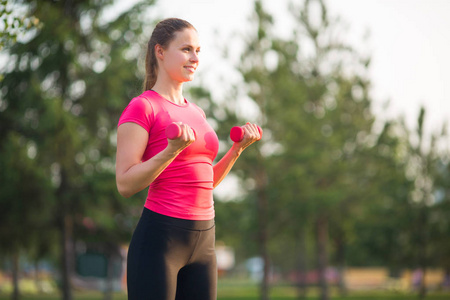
[182, 223]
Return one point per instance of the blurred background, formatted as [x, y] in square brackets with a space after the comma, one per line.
[346, 197]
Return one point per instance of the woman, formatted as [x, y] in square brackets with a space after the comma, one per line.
[171, 254]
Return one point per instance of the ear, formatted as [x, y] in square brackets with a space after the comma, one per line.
[159, 52]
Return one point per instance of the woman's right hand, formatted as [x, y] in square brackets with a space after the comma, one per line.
[180, 143]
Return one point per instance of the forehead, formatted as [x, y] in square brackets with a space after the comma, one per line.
[187, 36]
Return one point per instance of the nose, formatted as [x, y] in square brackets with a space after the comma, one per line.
[194, 57]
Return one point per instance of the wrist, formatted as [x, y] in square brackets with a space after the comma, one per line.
[170, 152]
[236, 149]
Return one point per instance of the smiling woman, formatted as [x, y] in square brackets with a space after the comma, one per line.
[172, 252]
[163, 34]
[178, 61]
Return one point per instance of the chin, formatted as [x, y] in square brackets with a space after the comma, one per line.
[189, 78]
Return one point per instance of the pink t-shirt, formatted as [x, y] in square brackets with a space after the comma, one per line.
[185, 188]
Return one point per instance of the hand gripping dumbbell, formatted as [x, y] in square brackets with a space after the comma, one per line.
[173, 131]
[237, 133]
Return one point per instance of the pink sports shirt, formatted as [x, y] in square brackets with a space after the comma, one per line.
[185, 188]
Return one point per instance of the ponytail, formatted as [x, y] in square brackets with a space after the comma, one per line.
[151, 68]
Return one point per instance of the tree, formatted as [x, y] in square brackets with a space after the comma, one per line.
[424, 166]
[440, 215]
[407, 183]
[309, 168]
[24, 197]
[316, 109]
[62, 95]
[387, 193]
[329, 175]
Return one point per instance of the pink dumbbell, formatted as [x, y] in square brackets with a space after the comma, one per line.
[173, 131]
[237, 133]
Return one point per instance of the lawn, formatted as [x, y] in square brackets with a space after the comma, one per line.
[243, 293]
[247, 290]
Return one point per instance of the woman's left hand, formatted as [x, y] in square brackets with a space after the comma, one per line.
[251, 135]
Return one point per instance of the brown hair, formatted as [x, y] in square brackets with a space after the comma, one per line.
[163, 34]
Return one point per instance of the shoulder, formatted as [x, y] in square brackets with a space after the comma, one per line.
[139, 110]
[143, 102]
[198, 109]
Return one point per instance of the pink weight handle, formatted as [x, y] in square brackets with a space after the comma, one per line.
[173, 131]
[237, 133]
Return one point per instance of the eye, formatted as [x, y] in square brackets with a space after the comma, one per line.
[187, 49]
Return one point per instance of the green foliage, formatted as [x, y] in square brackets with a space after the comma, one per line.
[323, 156]
[14, 25]
[317, 114]
[25, 196]
[63, 91]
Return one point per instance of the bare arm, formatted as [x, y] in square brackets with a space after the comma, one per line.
[132, 175]
[223, 167]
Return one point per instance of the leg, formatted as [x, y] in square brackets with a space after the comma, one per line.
[151, 267]
[198, 279]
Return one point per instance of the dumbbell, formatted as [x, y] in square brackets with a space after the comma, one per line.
[173, 131]
[237, 133]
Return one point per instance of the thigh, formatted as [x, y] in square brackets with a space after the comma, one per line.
[198, 279]
[153, 262]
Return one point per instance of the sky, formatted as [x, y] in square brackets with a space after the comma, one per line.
[409, 44]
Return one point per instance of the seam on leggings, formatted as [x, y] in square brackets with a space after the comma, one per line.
[195, 247]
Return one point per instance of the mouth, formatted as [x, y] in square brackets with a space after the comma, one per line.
[190, 68]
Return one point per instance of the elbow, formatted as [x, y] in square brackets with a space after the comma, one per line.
[125, 194]
[123, 190]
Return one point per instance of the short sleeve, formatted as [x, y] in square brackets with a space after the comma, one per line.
[139, 111]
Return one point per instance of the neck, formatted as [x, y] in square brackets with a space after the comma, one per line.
[171, 92]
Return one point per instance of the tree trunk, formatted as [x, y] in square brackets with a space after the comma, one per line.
[108, 295]
[67, 256]
[15, 277]
[340, 245]
[322, 258]
[262, 212]
[265, 284]
[423, 285]
[262, 233]
[302, 267]
[65, 223]
[423, 256]
[37, 282]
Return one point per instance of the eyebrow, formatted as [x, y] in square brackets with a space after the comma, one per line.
[188, 45]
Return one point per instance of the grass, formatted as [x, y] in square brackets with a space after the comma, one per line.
[245, 290]
[252, 294]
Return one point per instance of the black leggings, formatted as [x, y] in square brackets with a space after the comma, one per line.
[172, 259]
